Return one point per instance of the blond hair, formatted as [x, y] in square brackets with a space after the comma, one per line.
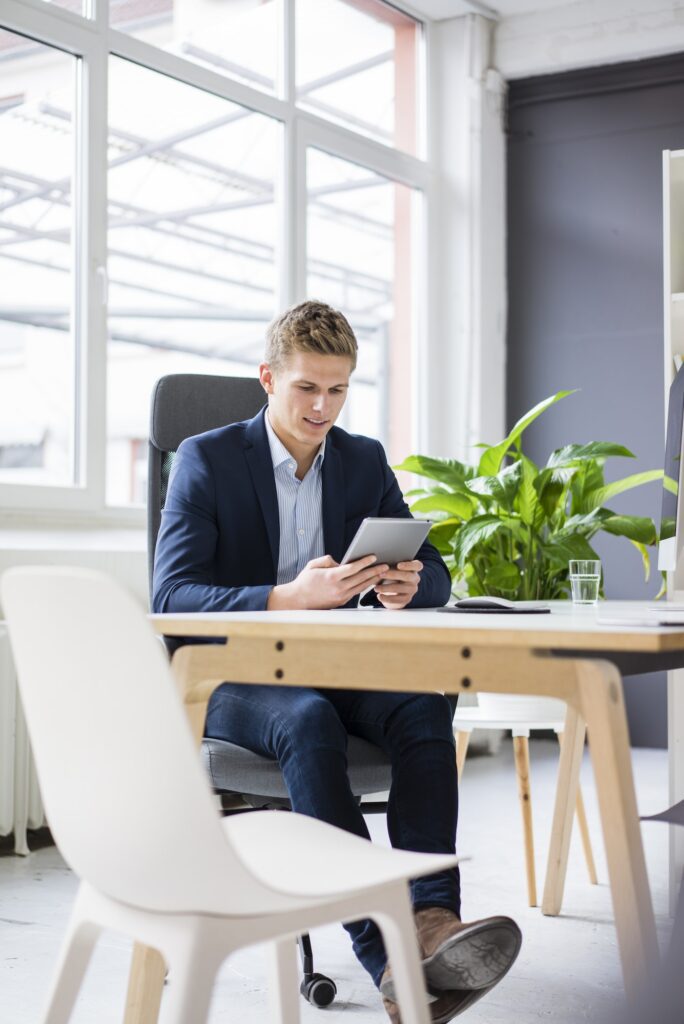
[309, 327]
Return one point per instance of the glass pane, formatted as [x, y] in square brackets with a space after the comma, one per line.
[192, 228]
[359, 230]
[37, 410]
[357, 65]
[239, 38]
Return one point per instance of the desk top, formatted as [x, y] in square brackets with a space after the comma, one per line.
[566, 627]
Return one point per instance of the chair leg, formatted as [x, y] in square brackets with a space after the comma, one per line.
[521, 750]
[398, 928]
[74, 958]
[283, 981]
[584, 830]
[462, 741]
[193, 962]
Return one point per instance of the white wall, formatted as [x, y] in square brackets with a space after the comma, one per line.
[588, 33]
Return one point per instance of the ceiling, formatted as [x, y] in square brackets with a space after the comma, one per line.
[438, 9]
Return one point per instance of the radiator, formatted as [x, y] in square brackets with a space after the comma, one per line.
[20, 803]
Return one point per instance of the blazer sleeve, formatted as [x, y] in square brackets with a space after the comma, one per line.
[184, 556]
[435, 581]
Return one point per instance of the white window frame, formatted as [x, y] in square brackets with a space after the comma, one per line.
[92, 40]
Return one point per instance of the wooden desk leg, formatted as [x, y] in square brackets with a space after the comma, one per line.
[145, 986]
[602, 704]
[564, 811]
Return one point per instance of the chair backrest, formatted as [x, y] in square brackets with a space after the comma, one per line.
[185, 404]
[124, 792]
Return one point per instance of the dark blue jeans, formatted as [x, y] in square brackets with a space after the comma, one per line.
[306, 731]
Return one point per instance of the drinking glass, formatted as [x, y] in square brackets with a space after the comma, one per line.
[585, 580]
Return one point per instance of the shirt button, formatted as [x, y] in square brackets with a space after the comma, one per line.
[292, 466]
[300, 532]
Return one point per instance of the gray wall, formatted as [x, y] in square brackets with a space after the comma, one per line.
[585, 288]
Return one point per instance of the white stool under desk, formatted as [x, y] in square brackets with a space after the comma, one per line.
[520, 715]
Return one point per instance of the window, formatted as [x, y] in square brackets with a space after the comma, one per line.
[174, 174]
[358, 240]
[238, 39]
[191, 258]
[37, 340]
[357, 64]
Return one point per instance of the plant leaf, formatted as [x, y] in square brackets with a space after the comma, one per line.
[453, 504]
[491, 459]
[476, 530]
[502, 488]
[560, 550]
[670, 485]
[528, 504]
[646, 561]
[441, 534]
[572, 453]
[586, 523]
[503, 576]
[589, 477]
[636, 528]
[448, 471]
[550, 485]
[603, 494]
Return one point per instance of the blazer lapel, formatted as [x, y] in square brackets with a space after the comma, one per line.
[258, 455]
[333, 501]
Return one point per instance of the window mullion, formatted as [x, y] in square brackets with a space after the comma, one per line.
[91, 291]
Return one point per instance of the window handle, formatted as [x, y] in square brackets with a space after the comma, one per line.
[104, 283]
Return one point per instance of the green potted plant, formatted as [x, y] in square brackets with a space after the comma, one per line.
[508, 527]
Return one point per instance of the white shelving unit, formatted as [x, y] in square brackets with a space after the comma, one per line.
[673, 280]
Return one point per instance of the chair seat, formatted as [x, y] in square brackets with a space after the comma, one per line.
[238, 770]
[468, 719]
[303, 857]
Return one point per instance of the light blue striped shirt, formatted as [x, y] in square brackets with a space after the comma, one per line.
[299, 508]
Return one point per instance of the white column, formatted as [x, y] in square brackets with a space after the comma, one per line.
[466, 273]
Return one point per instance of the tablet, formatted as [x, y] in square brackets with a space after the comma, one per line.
[390, 540]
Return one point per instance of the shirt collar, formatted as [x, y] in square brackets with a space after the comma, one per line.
[279, 452]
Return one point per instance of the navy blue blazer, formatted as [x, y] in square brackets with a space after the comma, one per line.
[218, 543]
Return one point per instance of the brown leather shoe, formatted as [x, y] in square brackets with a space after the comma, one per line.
[444, 1008]
[465, 956]
[462, 957]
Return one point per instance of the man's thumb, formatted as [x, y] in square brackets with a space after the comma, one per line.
[324, 562]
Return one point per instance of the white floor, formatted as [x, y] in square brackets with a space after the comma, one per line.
[568, 969]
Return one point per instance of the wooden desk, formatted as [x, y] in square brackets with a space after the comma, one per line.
[565, 654]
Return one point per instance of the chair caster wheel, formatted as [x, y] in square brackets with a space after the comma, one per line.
[318, 990]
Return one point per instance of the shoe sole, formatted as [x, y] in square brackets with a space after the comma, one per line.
[475, 958]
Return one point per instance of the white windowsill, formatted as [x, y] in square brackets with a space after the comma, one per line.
[71, 538]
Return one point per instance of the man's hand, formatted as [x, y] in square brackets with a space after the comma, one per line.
[323, 583]
[399, 585]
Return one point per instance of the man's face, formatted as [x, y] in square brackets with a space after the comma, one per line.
[306, 395]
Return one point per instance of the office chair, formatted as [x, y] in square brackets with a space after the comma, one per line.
[188, 404]
[109, 734]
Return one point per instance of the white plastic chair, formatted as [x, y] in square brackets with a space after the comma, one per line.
[521, 715]
[131, 811]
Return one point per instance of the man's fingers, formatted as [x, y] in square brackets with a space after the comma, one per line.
[363, 580]
[402, 575]
[414, 566]
[366, 576]
[351, 568]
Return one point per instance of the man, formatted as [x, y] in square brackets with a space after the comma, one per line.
[258, 516]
